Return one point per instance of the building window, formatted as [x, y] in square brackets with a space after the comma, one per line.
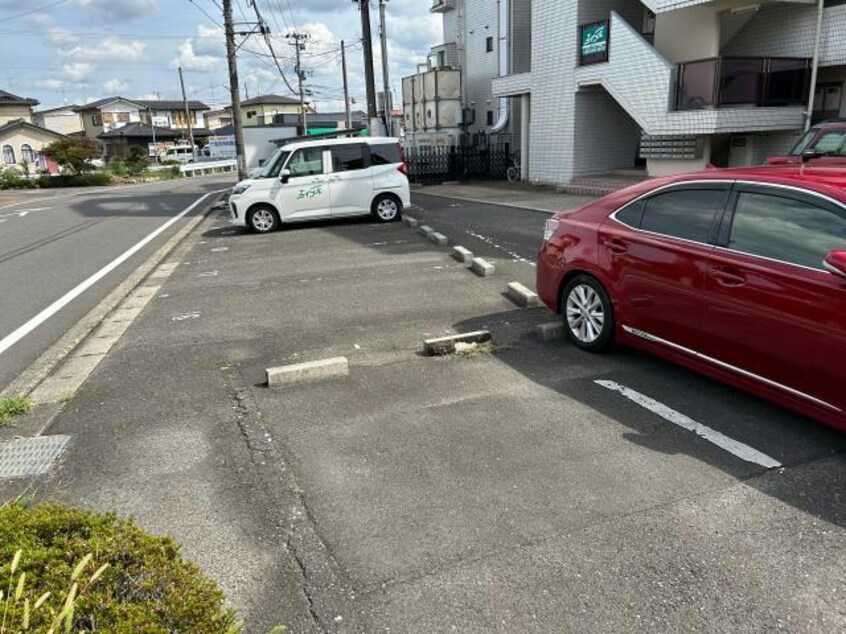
[490, 117]
[489, 44]
[27, 153]
[96, 120]
[9, 155]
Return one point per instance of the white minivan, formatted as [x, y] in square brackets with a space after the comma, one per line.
[181, 153]
[326, 178]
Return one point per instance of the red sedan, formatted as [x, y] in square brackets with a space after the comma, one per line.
[737, 273]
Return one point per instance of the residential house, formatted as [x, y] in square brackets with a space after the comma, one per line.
[109, 114]
[13, 107]
[118, 142]
[261, 110]
[64, 119]
[21, 143]
[661, 85]
[171, 114]
[221, 118]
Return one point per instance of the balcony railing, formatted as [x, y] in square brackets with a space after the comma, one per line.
[721, 82]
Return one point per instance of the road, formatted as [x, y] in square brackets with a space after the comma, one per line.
[50, 244]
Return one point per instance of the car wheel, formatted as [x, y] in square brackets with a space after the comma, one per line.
[263, 219]
[387, 208]
[588, 314]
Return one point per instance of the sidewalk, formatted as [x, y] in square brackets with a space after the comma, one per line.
[521, 195]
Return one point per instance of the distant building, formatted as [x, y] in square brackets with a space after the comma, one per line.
[261, 110]
[221, 118]
[109, 114]
[21, 143]
[13, 107]
[118, 142]
[64, 119]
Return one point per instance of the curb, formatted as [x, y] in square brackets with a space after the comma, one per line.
[494, 202]
[307, 372]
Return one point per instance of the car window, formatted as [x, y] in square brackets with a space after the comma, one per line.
[274, 165]
[346, 158]
[685, 213]
[306, 162]
[785, 229]
[385, 154]
[803, 142]
[631, 213]
[832, 143]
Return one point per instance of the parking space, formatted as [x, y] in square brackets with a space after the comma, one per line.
[506, 488]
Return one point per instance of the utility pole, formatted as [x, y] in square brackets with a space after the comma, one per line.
[153, 128]
[386, 82]
[187, 115]
[299, 46]
[367, 41]
[346, 87]
[815, 64]
[234, 91]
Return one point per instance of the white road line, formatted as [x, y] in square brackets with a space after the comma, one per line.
[515, 256]
[734, 447]
[11, 339]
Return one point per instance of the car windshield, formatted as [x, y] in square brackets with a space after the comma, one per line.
[274, 164]
[803, 142]
[832, 143]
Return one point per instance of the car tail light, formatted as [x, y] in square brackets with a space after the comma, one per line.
[549, 229]
[402, 166]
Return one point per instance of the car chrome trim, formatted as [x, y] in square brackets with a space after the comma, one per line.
[726, 366]
[765, 258]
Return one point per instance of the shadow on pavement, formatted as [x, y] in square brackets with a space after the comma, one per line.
[811, 480]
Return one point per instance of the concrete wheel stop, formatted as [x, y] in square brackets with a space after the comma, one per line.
[307, 372]
[449, 345]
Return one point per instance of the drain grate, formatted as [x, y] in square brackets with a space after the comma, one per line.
[24, 457]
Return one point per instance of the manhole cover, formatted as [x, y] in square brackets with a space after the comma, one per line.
[29, 456]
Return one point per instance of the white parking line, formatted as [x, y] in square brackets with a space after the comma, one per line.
[514, 256]
[22, 331]
[734, 447]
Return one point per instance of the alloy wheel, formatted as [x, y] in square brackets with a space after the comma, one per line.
[387, 209]
[585, 313]
[263, 220]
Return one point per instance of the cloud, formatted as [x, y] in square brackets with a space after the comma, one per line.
[53, 85]
[77, 71]
[205, 52]
[120, 10]
[61, 37]
[115, 86]
[111, 49]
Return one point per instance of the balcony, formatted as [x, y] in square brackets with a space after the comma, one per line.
[733, 82]
[442, 6]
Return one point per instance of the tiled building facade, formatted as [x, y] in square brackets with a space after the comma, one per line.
[651, 101]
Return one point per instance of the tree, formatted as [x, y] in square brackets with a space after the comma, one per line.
[74, 153]
[137, 160]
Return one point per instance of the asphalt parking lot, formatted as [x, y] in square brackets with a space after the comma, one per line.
[503, 490]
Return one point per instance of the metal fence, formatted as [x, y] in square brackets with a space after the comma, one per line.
[435, 165]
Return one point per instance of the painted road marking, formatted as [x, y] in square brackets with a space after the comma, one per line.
[220, 249]
[515, 256]
[24, 212]
[22, 331]
[186, 316]
[734, 447]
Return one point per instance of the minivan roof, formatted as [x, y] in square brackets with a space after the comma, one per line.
[368, 140]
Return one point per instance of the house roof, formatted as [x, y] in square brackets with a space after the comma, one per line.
[172, 105]
[56, 109]
[20, 123]
[145, 104]
[271, 100]
[8, 99]
[142, 130]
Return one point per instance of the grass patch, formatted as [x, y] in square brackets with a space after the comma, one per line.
[13, 406]
[474, 349]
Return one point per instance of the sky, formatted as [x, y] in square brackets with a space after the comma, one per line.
[75, 51]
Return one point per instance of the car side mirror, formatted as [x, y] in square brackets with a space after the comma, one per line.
[809, 154]
[285, 176]
[835, 263]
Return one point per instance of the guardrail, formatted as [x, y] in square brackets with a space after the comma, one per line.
[208, 167]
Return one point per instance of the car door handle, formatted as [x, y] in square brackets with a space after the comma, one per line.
[615, 245]
[727, 278]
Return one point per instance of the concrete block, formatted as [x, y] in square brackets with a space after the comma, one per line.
[425, 230]
[409, 221]
[462, 255]
[482, 267]
[446, 345]
[309, 371]
[438, 238]
[550, 331]
[521, 295]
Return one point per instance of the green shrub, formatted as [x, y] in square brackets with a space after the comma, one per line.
[141, 583]
[12, 179]
[90, 179]
[118, 168]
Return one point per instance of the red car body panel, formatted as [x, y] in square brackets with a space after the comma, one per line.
[821, 129]
[775, 329]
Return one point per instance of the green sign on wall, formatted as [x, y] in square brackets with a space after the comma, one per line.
[595, 39]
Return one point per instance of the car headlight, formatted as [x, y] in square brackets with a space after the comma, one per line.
[239, 189]
[549, 229]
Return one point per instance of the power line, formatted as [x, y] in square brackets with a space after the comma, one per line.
[264, 30]
[35, 10]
